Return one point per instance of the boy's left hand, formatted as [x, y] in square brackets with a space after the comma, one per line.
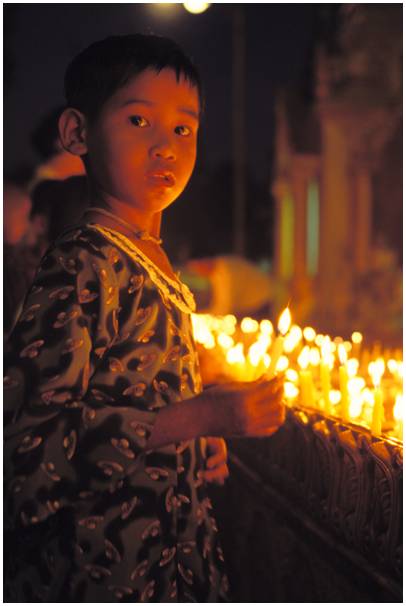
[216, 463]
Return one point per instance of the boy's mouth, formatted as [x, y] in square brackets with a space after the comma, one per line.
[164, 177]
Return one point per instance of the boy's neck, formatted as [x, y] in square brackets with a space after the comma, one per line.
[148, 222]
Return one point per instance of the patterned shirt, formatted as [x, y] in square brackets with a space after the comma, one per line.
[104, 341]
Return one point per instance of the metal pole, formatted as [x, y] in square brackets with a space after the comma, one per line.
[238, 114]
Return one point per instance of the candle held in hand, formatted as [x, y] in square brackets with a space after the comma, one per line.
[284, 322]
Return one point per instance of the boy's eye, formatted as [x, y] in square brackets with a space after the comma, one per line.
[183, 131]
[139, 121]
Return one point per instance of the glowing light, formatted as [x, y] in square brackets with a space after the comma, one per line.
[392, 366]
[235, 355]
[355, 385]
[290, 390]
[356, 337]
[356, 405]
[348, 346]
[225, 341]
[303, 357]
[398, 409]
[376, 370]
[196, 6]
[263, 341]
[314, 356]
[309, 333]
[284, 322]
[342, 353]
[282, 364]
[292, 339]
[319, 340]
[292, 375]
[248, 325]
[255, 354]
[228, 324]
[368, 396]
[352, 367]
[266, 328]
[335, 396]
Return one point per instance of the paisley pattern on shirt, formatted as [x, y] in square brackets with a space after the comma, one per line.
[90, 515]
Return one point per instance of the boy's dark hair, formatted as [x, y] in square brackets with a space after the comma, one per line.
[100, 70]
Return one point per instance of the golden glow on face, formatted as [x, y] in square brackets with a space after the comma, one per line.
[142, 146]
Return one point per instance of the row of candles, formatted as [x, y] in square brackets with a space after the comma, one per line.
[338, 377]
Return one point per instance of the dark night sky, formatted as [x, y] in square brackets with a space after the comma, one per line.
[40, 40]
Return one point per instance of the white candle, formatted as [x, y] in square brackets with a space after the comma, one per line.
[377, 413]
[305, 378]
[277, 346]
[325, 373]
[376, 370]
[398, 416]
[343, 380]
[276, 352]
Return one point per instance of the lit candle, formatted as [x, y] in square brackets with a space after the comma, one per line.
[376, 371]
[325, 373]
[356, 339]
[305, 378]
[343, 379]
[277, 345]
[398, 415]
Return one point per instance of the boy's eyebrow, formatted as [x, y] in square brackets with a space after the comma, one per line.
[184, 110]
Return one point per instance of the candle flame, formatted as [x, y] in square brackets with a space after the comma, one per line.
[265, 326]
[326, 349]
[284, 321]
[376, 370]
[356, 405]
[225, 341]
[356, 337]
[235, 355]
[290, 390]
[335, 396]
[303, 358]
[314, 356]
[283, 364]
[398, 409]
[342, 354]
[292, 375]
[249, 325]
[392, 366]
[309, 333]
[352, 367]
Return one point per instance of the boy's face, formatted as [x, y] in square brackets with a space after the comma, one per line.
[142, 145]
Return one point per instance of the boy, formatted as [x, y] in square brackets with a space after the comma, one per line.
[104, 447]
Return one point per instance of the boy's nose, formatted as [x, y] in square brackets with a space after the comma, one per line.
[163, 151]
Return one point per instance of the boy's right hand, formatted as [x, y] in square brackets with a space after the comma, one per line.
[253, 409]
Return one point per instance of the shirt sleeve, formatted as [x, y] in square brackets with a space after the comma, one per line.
[59, 448]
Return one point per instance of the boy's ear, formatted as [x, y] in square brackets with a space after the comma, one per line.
[72, 131]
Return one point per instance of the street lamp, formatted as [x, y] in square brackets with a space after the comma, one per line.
[196, 6]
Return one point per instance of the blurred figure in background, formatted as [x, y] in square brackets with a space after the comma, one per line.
[229, 284]
[16, 280]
